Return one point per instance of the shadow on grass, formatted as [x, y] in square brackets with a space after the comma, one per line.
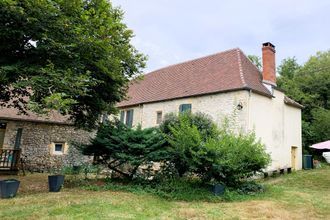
[175, 189]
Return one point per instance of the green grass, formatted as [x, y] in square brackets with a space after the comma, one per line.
[301, 195]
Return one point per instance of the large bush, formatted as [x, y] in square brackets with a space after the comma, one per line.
[234, 157]
[125, 149]
[220, 155]
[185, 134]
[187, 144]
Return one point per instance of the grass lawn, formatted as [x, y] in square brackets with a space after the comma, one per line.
[301, 195]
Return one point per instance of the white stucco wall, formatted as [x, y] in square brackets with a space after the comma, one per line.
[292, 131]
[278, 126]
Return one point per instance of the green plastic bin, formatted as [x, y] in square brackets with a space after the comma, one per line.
[308, 162]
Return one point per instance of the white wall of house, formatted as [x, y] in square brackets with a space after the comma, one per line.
[275, 123]
[278, 125]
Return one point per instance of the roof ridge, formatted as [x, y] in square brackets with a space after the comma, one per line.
[240, 68]
[188, 61]
[250, 61]
[259, 71]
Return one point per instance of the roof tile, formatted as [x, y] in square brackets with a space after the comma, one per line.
[224, 71]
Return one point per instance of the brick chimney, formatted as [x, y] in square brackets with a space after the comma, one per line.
[268, 63]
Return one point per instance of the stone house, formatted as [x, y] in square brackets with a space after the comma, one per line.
[221, 85]
[44, 140]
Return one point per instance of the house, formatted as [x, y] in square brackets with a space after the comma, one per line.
[44, 141]
[221, 85]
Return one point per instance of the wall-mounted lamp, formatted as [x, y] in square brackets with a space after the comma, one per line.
[240, 106]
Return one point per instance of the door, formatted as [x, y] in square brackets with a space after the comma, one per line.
[294, 157]
[2, 133]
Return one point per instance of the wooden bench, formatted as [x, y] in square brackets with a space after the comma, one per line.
[274, 173]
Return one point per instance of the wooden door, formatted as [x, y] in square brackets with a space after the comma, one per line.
[294, 157]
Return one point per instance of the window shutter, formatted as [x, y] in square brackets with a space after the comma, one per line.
[159, 117]
[181, 108]
[129, 118]
[122, 116]
[18, 138]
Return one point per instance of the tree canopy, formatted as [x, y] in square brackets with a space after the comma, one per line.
[71, 56]
[256, 60]
[309, 84]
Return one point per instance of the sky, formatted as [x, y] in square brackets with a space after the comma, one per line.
[173, 31]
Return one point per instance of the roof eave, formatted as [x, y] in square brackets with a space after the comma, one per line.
[197, 95]
[35, 121]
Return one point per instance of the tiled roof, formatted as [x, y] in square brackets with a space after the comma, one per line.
[225, 71]
[292, 102]
[53, 117]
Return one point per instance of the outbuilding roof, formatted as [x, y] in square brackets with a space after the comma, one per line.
[53, 117]
[221, 72]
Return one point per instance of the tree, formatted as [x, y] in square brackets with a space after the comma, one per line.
[125, 149]
[321, 124]
[309, 84]
[256, 61]
[71, 56]
[287, 70]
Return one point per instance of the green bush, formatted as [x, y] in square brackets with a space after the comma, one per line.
[185, 134]
[204, 124]
[235, 157]
[188, 144]
[222, 156]
[125, 149]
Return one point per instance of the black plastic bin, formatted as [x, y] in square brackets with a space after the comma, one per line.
[218, 189]
[55, 183]
[8, 188]
[308, 162]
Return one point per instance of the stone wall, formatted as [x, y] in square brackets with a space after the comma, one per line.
[217, 106]
[38, 141]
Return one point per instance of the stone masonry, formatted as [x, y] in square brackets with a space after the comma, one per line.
[38, 140]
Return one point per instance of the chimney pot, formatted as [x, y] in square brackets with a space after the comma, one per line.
[268, 63]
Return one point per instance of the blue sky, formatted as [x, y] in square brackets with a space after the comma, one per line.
[172, 31]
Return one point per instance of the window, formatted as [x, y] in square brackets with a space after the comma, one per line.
[159, 117]
[59, 148]
[129, 118]
[122, 116]
[185, 108]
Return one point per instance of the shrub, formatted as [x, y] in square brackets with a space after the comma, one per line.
[235, 157]
[125, 149]
[204, 124]
[185, 134]
[219, 155]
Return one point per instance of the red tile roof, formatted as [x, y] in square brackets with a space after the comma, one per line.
[53, 117]
[225, 71]
[292, 102]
